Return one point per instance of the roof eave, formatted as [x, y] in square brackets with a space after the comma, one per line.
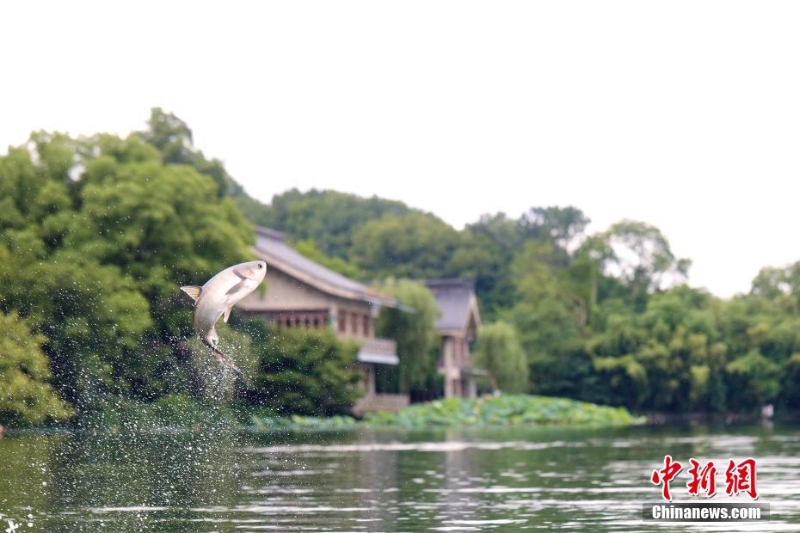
[321, 285]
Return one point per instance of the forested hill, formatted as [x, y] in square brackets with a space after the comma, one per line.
[328, 218]
[374, 238]
[604, 317]
[96, 234]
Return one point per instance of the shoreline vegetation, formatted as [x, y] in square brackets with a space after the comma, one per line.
[98, 233]
[504, 410]
[517, 410]
[180, 412]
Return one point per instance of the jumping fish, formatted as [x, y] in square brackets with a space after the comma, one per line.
[217, 297]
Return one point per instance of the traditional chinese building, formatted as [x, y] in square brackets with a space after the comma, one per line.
[458, 324]
[302, 293]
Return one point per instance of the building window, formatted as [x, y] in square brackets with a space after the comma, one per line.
[342, 322]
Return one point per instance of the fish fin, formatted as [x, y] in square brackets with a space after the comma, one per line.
[240, 272]
[193, 290]
[226, 313]
[222, 358]
[235, 288]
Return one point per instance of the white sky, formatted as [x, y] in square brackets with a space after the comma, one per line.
[682, 114]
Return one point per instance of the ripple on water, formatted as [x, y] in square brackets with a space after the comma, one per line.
[452, 484]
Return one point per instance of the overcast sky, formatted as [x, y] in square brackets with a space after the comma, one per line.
[684, 115]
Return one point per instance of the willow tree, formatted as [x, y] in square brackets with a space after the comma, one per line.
[414, 331]
[500, 354]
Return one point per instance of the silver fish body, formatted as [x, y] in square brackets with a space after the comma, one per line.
[216, 298]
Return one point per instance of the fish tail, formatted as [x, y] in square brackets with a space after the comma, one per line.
[222, 358]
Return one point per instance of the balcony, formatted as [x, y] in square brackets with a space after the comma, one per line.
[377, 351]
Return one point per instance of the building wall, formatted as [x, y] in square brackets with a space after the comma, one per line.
[287, 297]
[285, 292]
[455, 361]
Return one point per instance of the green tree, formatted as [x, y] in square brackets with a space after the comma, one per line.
[548, 314]
[585, 278]
[26, 396]
[614, 352]
[755, 381]
[418, 342]
[781, 286]
[642, 258]
[668, 358]
[92, 316]
[302, 372]
[98, 234]
[329, 218]
[173, 139]
[309, 249]
[551, 312]
[499, 353]
[486, 254]
[790, 386]
[414, 245]
[560, 226]
[161, 224]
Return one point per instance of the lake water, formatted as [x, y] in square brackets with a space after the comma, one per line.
[499, 480]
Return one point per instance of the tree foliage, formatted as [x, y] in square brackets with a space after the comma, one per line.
[500, 354]
[414, 333]
[97, 233]
[641, 256]
[309, 249]
[303, 372]
[329, 218]
[412, 245]
[559, 225]
[26, 395]
[605, 317]
[172, 137]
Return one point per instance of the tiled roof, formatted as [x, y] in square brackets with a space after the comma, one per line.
[456, 299]
[270, 246]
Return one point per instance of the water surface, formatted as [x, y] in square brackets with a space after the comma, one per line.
[470, 480]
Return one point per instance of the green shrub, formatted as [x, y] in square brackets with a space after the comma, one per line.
[26, 396]
[302, 372]
[505, 410]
